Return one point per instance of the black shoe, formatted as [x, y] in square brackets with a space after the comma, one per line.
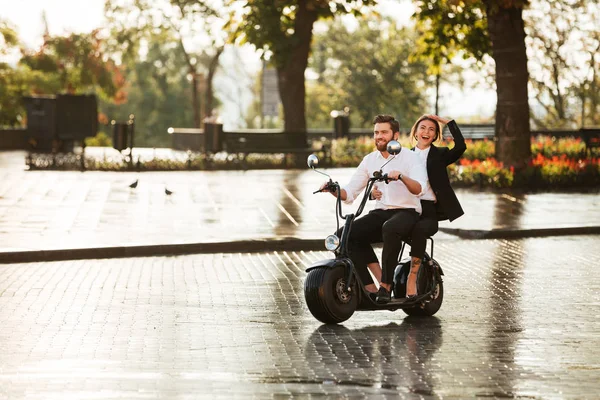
[384, 296]
[373, 296]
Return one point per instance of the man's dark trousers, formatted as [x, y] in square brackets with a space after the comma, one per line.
[387, 226]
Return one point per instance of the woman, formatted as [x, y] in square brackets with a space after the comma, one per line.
[438, 200]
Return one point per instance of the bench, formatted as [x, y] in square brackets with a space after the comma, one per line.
[591, 137]
[473, 131]
[242, 144]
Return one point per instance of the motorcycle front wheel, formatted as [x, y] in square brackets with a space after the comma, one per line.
[326, 296]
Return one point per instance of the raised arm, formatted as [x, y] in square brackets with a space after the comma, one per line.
[453, 154]
[459, 148]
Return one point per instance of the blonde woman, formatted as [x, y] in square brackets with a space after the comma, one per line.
[438, 201]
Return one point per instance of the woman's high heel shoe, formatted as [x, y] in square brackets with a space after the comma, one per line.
[412, 296]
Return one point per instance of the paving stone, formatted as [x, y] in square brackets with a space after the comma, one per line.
[520, 319]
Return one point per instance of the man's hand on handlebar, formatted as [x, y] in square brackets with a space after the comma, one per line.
[328, 186]
[394, 175]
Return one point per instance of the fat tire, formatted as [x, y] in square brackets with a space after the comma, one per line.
[321, 298]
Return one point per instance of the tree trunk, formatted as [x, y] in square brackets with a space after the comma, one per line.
[593, 88]
[437, 94]
[195, 95]
[212, 69]
[195, 100]
[290, 76]
[507, 34]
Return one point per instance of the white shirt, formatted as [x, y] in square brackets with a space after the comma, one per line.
[394, 194]
[427, 193]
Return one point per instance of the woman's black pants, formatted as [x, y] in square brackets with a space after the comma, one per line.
[426, 226]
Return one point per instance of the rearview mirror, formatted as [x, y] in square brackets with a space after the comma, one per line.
[393, 147]
[312, 161]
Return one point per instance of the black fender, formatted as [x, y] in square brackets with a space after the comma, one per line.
[438, 267]
[433, 263]
[329, 263]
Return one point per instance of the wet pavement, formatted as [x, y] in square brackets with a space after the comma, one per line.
[47, 210]
[520, 319]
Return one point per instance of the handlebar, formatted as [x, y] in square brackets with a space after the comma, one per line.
[378, 177]
[330, 187]
[334, 187]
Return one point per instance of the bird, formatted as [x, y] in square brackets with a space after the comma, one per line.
[134, 184]
[168, 192]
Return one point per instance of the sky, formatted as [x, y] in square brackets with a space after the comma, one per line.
[76, 16]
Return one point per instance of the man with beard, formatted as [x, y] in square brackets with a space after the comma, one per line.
[396, 211]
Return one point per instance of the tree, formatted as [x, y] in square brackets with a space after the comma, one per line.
[8, 38]
[479, 27]
[135, 22]
[10, 81]
[76, 63]
[564, 44]
[368, 70]
[157, 93]
[283, 31]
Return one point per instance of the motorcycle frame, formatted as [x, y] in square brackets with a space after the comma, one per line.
[343, 256]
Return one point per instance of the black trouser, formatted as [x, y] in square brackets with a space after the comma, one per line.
[425, 227]
[387, 226]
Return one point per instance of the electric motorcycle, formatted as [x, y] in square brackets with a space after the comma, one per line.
[333, 290]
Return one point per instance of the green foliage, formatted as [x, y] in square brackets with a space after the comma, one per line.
[272, 26]
[283, 30]
[479, 149]
[349, 152]
[561, 39]
[449, 26]
[78, 64]
[158, 94]
[170, 23]
[75, 63]
[100, 140]
[8, 37]
[14, 83]
[367, 70]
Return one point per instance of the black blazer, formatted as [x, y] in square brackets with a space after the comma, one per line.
[447, 205]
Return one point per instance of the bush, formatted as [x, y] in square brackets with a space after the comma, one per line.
[556, 163]
[100, 140]
[489, 172]
[551, 146]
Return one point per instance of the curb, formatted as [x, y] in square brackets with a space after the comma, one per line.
[257, 246]
[241, 246]
[521, 233]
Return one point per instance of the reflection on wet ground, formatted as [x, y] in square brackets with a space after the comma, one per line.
[58, 210]
[519, 320]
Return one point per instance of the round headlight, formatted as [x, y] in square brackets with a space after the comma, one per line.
[332, 242]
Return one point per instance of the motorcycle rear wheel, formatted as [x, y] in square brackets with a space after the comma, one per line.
[425, 282]
[326, 296]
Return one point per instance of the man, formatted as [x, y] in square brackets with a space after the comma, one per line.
[396, 211]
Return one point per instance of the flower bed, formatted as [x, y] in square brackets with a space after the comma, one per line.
[556, 163]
